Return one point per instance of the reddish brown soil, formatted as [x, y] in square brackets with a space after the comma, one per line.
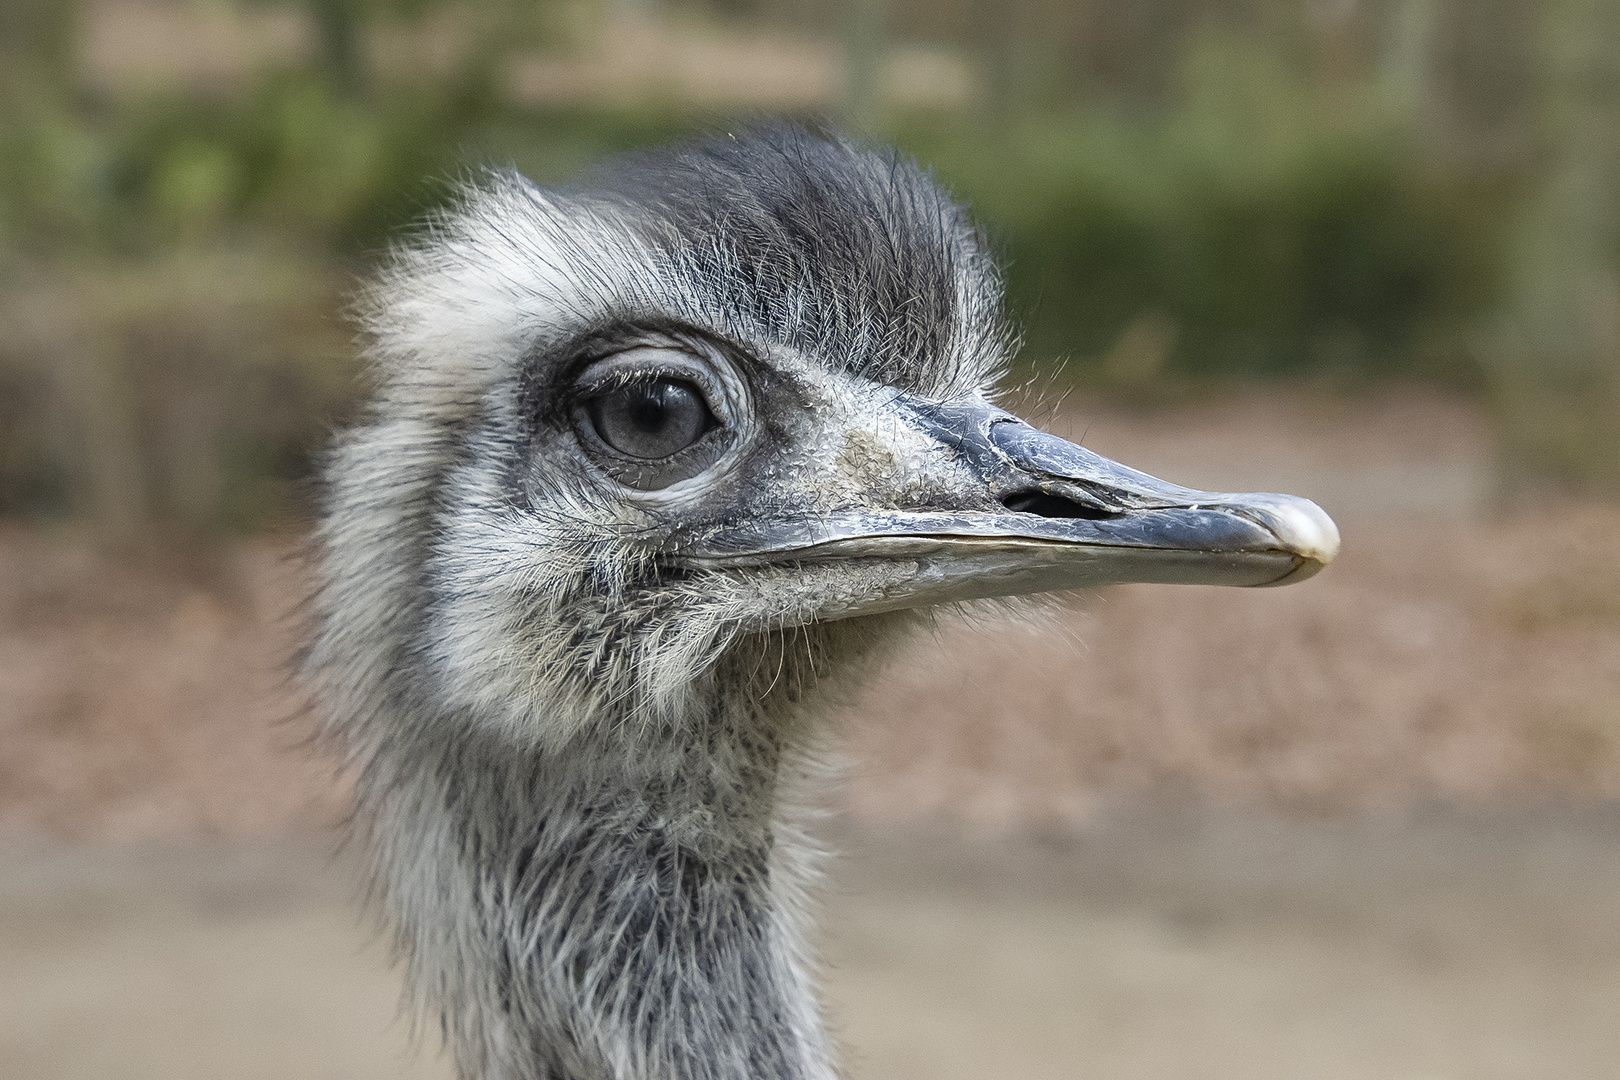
[138, 702]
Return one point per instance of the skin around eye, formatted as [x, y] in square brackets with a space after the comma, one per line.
[651, 419]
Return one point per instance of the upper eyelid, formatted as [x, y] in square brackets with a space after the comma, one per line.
[642, 355]
[628, 376]
[617, 370]
[702, 349]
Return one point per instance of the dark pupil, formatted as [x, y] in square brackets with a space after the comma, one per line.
[651, 419]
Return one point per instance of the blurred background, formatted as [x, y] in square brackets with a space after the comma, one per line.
[1366, 251]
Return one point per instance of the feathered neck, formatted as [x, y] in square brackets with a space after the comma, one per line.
[630, 906]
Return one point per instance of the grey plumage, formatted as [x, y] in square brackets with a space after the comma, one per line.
[582, 696]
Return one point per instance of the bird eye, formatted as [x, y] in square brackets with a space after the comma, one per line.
[651, 419]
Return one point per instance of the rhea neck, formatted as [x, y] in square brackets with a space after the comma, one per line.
[628, 906]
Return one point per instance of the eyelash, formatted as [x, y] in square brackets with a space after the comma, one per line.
[584, 392]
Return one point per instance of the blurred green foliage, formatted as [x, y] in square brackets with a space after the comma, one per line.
[1552, 347]
[173, 260]
[1255, 229]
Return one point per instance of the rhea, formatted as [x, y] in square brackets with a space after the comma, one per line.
[653, 466]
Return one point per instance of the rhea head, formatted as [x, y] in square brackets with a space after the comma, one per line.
[649, 461]
[734, 389]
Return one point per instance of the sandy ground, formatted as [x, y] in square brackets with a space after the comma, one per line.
[1156, 943]
[1154, 832]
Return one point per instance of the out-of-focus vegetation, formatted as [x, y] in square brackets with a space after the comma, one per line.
[1252, 229]
[1552, 350]
[1183, 193]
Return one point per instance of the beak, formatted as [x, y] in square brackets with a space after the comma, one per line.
[1058, 517]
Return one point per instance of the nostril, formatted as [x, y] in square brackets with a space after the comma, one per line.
[1045, 504]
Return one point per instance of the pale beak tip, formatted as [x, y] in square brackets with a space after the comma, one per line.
[1302, 529]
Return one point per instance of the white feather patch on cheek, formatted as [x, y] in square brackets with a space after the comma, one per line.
[502, 635]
